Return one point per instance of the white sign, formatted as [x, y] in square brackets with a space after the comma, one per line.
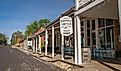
[66, 26]
[29, 43]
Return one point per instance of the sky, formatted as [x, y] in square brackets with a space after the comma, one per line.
[17, 14]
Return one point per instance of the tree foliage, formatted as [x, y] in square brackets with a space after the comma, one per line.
[17, 37]
[3, 39]
[36, 25]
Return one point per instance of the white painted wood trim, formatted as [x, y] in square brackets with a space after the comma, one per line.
[79, 41]
[36, 44]
[62, 47]
[39, 44]
[75, 41]
[46, 41]
[52, 41]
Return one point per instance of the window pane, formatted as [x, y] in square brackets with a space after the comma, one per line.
[102, 38]
[109, 22]
[82, 29]
[110, 37]
[82, 39]
[93, 39]
[101, 22]
[93, 24]
[88, 24]
[82, 24]
[88, 41]
[88, 32]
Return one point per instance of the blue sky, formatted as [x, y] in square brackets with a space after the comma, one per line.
[17, 14]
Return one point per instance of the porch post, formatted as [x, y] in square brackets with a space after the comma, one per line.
[33, 44]
[36, 44]
[46, 41]
[119, 7]
[62, 47]
[79, 41]
[75, 41]
[76, 4]
[39, 44]
[52, 41]
[75, 33]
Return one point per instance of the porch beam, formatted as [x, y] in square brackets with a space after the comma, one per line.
[52, 41]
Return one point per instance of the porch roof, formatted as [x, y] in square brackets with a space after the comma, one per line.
[106, 9]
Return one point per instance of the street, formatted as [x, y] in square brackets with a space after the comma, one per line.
[12, 59]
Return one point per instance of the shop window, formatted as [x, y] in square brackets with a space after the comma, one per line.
[93, 38]
[82, 24]
[82, 39]
[109, 22]
[109, 37]
[88, 41]
[101, 22]
[88, 32]
[93, 24]
[102, 38]
[82, 29]
[88, 24]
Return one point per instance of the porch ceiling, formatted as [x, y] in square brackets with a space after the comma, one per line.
[107, 9]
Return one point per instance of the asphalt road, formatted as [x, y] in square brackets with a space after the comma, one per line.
[12, 59]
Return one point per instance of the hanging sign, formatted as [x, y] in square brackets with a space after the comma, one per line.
[66, 26]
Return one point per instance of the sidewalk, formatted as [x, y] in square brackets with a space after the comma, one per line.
[69, 65]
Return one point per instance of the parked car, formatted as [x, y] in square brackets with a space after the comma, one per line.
[68, 50]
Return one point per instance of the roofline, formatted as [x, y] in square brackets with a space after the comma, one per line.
[63, 14]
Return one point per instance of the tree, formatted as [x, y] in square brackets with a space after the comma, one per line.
[43, 22]
[17, 37]
[3, 39]
[35, 26]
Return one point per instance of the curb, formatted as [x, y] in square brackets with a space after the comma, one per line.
[55, 59]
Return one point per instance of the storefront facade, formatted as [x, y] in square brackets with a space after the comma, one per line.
[99, 26]
[95, 26]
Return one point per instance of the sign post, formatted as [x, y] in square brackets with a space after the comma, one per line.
[66, 30]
